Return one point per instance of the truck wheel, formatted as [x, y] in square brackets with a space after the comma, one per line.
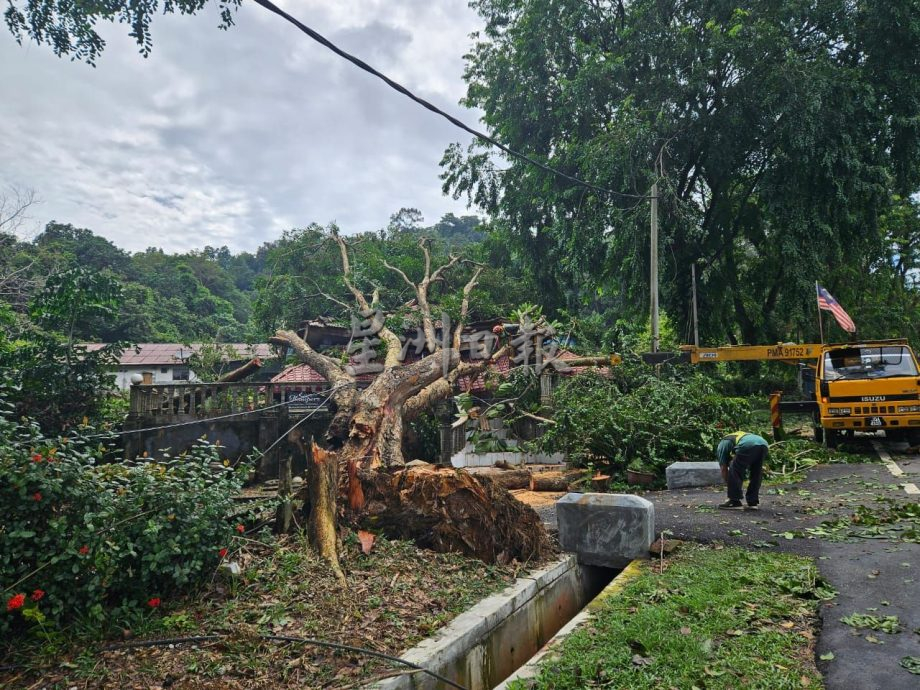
[897, 435]
[913, 438]
[832, 438]
[819, 434]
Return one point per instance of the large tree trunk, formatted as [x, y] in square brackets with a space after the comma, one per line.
[376, 423]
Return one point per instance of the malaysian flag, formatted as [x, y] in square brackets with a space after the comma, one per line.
[828, 303]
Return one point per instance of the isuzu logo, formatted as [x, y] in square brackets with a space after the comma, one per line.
[873, 398]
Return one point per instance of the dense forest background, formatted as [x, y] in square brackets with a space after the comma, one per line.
[216, 295]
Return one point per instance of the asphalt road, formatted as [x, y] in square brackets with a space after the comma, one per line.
[879, 576]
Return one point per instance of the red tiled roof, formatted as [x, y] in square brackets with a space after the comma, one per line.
[299, 373]
[169, 353]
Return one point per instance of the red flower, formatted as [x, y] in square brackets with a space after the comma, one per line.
[84, 550]
[15, 602]
[37, 496]
[240, 529]
[154, 602]
[37, 595]
[222, 553]
[37, 457]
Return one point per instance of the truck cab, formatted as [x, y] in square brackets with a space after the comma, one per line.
[867, 387]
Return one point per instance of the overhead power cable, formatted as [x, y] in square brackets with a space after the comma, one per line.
[319, 38]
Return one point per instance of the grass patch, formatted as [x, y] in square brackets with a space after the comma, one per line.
[715, 618]
[395, 597]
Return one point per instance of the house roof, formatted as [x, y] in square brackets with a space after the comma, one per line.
[151, 354]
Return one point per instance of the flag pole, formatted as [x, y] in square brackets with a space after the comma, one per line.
[820, 322]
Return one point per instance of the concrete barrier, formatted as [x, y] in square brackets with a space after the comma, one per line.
[484, 645]
[608, 530]
[684, 475]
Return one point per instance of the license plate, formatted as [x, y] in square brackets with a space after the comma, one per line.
[875, 421]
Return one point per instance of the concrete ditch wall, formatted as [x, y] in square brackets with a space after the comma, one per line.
[551, 649]
[483, 646]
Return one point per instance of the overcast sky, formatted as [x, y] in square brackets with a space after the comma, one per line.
[229, 138]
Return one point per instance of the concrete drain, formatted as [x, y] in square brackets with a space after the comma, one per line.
[486, 644]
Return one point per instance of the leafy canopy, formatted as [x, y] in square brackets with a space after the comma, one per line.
[70, 27]
[783, 130]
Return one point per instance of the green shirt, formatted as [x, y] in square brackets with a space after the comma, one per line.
[732, 443]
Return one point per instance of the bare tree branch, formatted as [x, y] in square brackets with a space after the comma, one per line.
[465, 305]
[401, 274]
[13, 208]
[327, 367]
[394, 345]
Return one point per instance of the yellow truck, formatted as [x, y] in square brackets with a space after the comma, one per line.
[863, 386]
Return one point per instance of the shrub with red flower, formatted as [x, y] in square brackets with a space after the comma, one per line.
[240, 529]
[222, 553]
[15, 602]
[189, 506]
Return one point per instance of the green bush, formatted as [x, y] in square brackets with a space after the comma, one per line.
[89, 541]
[635, 417]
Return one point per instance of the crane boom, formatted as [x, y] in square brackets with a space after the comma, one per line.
[783, 352]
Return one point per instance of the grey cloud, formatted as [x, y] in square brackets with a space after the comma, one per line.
[230, 137]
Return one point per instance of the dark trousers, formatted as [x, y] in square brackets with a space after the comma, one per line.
[744, 462]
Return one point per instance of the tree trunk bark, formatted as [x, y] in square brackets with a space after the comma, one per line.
[548, 482]
[376, 424]
[322, 488]
[512, 479]
[248, 369]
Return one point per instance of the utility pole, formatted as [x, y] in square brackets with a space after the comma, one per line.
[696, 325]
[654, 263]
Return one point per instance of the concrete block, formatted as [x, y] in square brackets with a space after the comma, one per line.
[608, 530]
[683, 475]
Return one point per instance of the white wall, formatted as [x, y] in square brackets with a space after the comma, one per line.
[124, 374]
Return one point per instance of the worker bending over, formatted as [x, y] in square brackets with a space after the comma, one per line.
[739, 454]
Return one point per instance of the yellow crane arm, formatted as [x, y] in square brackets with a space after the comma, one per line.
[782, 352]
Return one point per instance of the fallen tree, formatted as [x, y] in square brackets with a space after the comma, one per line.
[443, 509]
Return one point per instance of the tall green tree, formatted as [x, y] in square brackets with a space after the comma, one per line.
[779, 131]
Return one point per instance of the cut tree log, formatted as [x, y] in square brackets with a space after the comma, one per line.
[548, 481]
[322, 488]
[512, 479]
[448, 510]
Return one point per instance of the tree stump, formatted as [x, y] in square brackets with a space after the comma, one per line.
[322, 489]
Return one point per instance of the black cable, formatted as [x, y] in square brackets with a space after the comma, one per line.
[319, 38]
[282, 638]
